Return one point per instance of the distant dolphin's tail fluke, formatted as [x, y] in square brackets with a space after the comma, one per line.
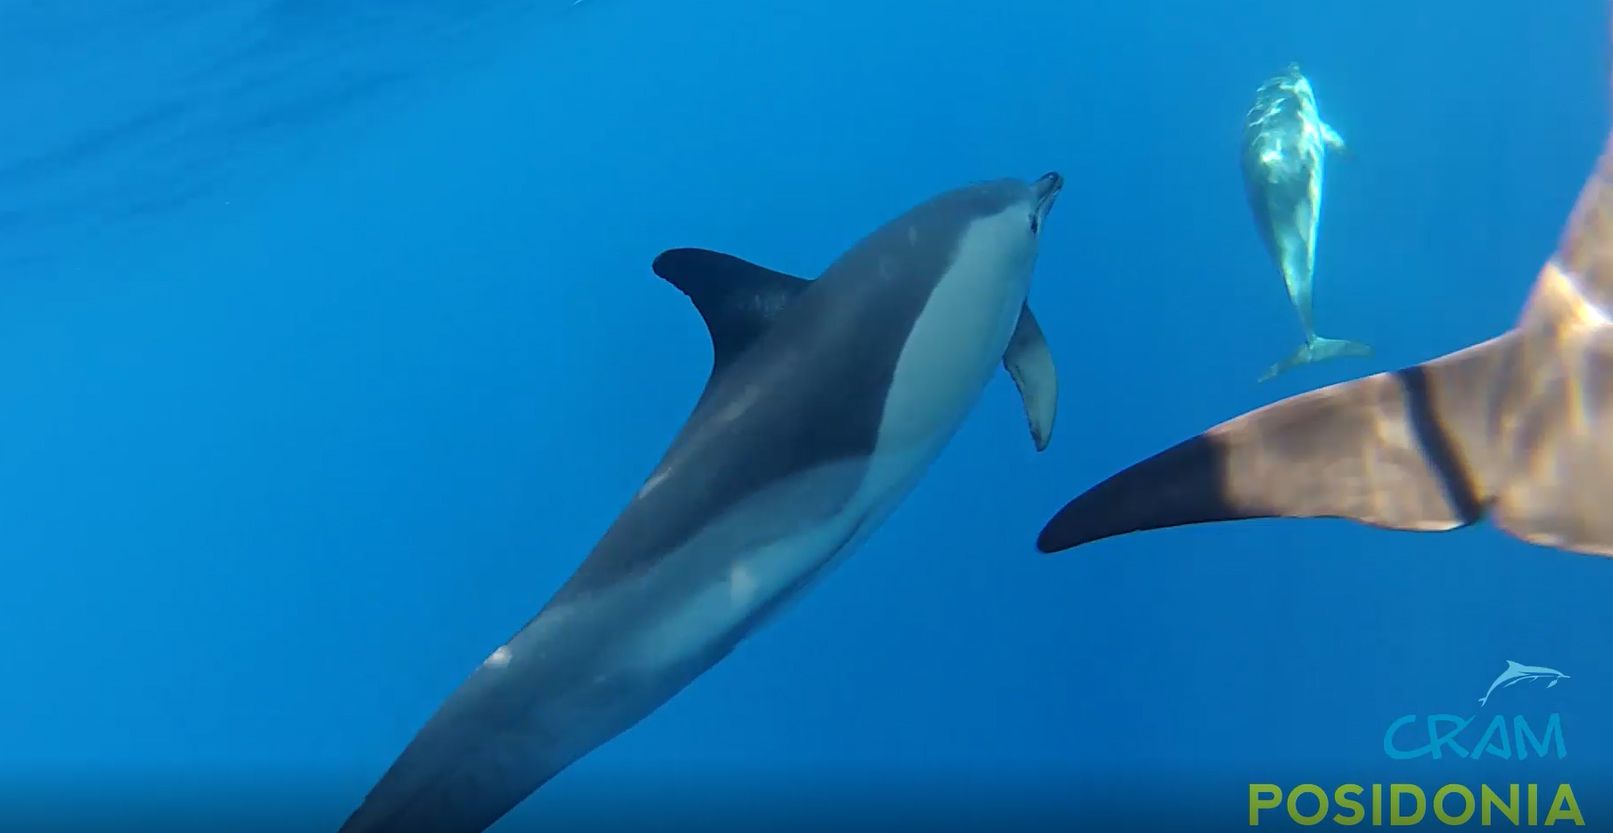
[1317, 349]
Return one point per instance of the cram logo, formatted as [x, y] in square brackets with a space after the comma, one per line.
[1479, 735]
[1497, 730]
[1517, 673]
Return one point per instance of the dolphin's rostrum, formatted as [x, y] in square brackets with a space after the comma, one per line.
[826, 402]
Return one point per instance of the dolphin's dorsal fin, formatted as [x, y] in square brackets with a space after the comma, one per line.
[737, 299]
[1030, 363]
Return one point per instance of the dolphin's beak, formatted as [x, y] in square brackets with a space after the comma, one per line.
[1047, 189]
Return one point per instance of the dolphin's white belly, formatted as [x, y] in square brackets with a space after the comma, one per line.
[955, 345]
[1308, 214]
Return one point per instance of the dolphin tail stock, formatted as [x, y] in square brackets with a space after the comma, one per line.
[1316, 349]
[1408, 449]
[533, 708]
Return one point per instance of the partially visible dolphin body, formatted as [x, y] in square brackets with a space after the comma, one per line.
[827, 401]
[1517, 673]
[1285, 145]
[1518, 428]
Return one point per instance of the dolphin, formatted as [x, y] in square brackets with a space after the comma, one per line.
[1517, 428]
[826, 402]
[1285, 144]
[1517, 673]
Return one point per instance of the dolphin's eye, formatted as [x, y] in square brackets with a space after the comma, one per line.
[1036, 224]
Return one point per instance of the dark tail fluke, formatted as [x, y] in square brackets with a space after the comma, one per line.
[1180, 486]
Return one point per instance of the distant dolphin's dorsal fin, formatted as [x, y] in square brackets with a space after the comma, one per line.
[737, 299]
[1030, 363]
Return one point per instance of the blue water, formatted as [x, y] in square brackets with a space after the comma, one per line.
[328, 347]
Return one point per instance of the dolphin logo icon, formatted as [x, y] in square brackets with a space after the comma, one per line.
[1517, 673]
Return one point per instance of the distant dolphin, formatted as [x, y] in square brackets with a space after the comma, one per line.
[1516, 673]
[827, 401]
[1519, 428]
[1285, 143]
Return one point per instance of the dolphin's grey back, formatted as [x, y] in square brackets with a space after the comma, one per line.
[1519, 428]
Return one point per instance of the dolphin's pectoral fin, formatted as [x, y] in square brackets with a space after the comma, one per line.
[737, 299]
[1552, 684]
[1403, 450]
[1334, 141]
[1030, 362]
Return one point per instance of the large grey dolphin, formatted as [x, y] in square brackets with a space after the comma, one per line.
[826, 402]
[1285, 145]
[1518, 428]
